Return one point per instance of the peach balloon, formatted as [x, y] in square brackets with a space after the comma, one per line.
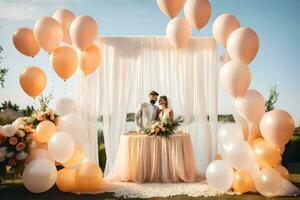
[266, 154]
[88, 176]
[243, 44]
[37, 154]
[179, 32]
[267, 182]
[83, 31]
[251, 106]
[48, 33]
[65, 18]
[170, 8]
[235, 78]
[64, 61]
[76, 158]
[44, 131]
[282, 171]
[277, 127]
[25, 42]
[66, 180]
[33, 81]
[242, 181]
[197, 12]
[90, 59]
[223, 26]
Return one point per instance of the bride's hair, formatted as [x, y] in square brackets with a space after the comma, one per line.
[165, 98]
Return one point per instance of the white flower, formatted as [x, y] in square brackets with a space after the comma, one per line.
[9, 154]
[21, 156]
[163, 129]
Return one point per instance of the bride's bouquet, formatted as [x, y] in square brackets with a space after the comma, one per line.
[162, 128]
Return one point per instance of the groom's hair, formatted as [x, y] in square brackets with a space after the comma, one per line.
[153, 93]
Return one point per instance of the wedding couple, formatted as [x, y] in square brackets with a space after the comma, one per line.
[148, 111]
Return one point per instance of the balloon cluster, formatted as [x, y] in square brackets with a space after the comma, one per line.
[179, 31]
[251, 150]
[59, 145]
[69, 41]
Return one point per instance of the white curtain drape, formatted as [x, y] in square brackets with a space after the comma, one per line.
[134, 66]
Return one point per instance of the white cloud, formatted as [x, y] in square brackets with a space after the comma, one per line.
[31, 9]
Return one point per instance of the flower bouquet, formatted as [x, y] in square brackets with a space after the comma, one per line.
[162, 128]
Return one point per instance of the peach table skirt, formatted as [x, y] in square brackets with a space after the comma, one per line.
[143, 158]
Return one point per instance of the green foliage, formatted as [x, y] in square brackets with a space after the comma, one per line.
[3, 70]
[28, 111]
[226, 118]
[9, 105]
[292, 150]
[45, 101]
[272, 99]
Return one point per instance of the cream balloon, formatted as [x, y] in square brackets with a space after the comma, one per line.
[18, 122]
[48, 33]
[61, 146]
[83, 31]
[179, 32]
[267, 181]
[76, 158]
[197, 12]
[72, 124]
[228, 133]
[284, 173]
[25, 42]
[170, 8]
[90, 59]
[44, 131]
[223, 26]
[235, 78]
[242, 44]
[65, 18]
[39, 175]
[9, 130]
[251, 106]
[277, 127]
[65, 106]
[38, 154]
[33, 81]
[64, 60]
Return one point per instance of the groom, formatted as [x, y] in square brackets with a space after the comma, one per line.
[147, 111]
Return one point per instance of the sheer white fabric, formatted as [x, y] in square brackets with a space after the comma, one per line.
[131, 68]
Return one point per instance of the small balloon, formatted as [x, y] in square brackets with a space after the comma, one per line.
[72, 124]
[170, 8]
[242, 181]
[90, 59]
[44, 131]
[65, 18]
[25, 42]
[88, 176]
[197, 12]
[66, 180]
[9, 130]
[65, 106]
[76, 158]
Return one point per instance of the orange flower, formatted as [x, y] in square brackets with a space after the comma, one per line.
[157, 130]
[27, 129]
[13, 140]
[20, 146]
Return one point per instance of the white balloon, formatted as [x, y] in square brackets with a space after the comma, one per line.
[18, 122]
[9, 130]
[65, 106]
[61, 146]
[267, 182]
[286, 188]
[73, 125]
[229, 132]
[39, 175]
[219, 174]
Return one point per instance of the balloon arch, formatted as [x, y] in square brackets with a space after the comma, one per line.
[248, 160]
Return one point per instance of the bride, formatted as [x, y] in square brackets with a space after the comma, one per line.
[164, 113]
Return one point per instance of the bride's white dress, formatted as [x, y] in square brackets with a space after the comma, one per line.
[164, 116]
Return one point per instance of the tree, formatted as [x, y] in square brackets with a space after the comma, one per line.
[9, 105]
[272, 99]
[3, 70]
[28, 111]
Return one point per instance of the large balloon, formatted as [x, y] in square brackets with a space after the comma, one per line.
[242, 181]
[242, 44]
[84, 31]
[179, 32]
[277, 127]
[223, 26]
[44, 131]
[228, 133]
[251, 106]
[76, 158]
[197, 12]
[65, 106]
[88, 176]
[25, 42]
[66, 180]
[38, 154]
[64, 60]
[61, 146]
[33, 81]
[219, 174]
[170, 8]
[90, 59]
[9, 130]
[48, 33]
[235, 78]
[39, 175]
[267, 181]
[72, 124]
[267, 154]
[65, 18]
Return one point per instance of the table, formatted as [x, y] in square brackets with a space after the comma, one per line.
[142, 158]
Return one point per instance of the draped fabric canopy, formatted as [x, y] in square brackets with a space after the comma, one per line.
[134, 66]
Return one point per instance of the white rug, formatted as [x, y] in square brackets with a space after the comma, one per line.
[149, 190]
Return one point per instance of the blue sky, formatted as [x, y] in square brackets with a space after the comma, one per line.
[277, 23]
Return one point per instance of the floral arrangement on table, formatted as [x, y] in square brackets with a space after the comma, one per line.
[162, 128]
[17, 140]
